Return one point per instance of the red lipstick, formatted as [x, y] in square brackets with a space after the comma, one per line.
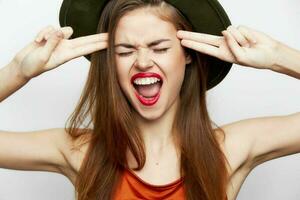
[146, 101]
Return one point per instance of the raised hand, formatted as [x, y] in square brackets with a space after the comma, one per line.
[241, 45]
[52, 48]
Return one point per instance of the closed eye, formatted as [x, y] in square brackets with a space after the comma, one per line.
[124, 54]
[161, 50]
[155, 50]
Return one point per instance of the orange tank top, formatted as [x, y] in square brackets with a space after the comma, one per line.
[133, 187]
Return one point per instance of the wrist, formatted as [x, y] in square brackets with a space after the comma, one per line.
[278, 64]
[16, 71]
[287, 60]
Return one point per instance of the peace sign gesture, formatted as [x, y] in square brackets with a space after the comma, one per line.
[52, 48]
[240, 45]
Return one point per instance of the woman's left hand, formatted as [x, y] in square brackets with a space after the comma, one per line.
[242, 45]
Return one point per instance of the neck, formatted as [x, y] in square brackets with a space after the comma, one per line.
[158, 133]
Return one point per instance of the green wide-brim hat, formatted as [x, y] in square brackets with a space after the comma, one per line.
[206, 16]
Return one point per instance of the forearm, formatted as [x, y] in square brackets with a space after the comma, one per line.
[10, 80]
[288, 61]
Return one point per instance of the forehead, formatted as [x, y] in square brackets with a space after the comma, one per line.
[142, 26]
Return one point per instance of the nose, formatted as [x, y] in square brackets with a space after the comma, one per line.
[143, 59]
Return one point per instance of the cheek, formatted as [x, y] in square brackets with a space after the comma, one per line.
[120, 73]
[176, 63]
[176, 70]
[177, 75]
[122, 70]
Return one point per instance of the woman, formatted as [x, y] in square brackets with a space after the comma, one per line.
[168, 139]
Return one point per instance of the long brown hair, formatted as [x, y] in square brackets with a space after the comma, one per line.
[113, 126]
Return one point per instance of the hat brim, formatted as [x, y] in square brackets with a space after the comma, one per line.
[206, 16]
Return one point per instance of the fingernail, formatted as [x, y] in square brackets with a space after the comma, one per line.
[70, 28]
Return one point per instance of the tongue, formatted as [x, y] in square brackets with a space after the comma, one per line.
[148, 90]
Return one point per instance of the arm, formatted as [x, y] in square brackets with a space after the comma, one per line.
[266, 138]
[288, 61]
[50, 50]
[246, 47]
[38, 150]
[10, 80]
[52, 150]
[29, 62]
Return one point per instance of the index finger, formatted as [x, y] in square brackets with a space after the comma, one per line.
[200, 37]
[100, 37]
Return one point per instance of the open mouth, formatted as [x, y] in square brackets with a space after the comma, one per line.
[148, 94]
[148, 91]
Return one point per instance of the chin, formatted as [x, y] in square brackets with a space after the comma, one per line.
[149, 115]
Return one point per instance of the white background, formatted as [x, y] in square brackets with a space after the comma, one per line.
[47, 101]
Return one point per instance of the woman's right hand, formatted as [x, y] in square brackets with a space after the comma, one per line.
[52, 48]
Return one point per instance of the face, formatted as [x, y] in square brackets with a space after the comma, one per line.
[144, 43]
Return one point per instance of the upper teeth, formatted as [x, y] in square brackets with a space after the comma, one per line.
[146, 81]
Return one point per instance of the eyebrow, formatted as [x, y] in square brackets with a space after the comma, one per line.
[154, 43]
